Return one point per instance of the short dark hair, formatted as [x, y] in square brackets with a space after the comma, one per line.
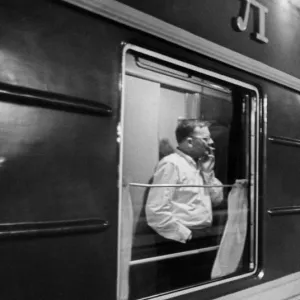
[186, 127]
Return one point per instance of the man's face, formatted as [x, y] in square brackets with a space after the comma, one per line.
[201, 142]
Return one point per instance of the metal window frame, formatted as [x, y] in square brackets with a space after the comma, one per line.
[253, 172]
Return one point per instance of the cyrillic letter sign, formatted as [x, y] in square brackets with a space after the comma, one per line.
[242, 21]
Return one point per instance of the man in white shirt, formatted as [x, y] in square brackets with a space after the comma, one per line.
[182, 216]
[178, 213]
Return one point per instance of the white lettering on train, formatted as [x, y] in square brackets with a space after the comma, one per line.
[242, 21]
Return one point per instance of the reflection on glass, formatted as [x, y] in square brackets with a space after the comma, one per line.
[192, 138]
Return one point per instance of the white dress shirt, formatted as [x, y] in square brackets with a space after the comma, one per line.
[171, 211]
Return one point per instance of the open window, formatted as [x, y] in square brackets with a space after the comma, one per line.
[158, 93]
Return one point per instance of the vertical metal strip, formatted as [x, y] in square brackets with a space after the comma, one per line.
[253, 178]
[263, 160]
[258, 127]
[247, 131]
[120, 136]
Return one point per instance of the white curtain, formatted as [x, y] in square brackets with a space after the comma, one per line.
[125, 243]
[234, 236]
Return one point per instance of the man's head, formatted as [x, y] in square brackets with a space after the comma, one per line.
[194, 138]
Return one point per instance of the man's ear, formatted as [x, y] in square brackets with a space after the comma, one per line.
[189, 141]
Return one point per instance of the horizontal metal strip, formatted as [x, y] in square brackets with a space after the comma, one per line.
[284, 141]
[186, 81]
[284, 210]
[129, 16]
[177, 185]
[173, 255]
[175, 83]
[29, 96]
[37, 229]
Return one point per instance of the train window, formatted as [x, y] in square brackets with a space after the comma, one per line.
[188, 177]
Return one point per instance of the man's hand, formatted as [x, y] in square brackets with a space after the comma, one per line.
[241, 183]
[207, 162]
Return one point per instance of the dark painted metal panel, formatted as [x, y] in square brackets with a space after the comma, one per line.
[47, 46]
[58, 144]
[53, 164]
[58, 165]
[66, 267]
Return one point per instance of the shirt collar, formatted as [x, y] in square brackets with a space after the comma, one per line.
[188, 158]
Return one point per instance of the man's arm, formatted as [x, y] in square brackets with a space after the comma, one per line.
[216, 193]
[207, 171]
[158, 206]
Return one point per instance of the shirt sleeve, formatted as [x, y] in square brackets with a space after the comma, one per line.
[158, 206]
[216, 193]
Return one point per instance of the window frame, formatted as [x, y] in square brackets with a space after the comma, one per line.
[253, 173]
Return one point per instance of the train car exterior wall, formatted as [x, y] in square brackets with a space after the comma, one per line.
[51, 47]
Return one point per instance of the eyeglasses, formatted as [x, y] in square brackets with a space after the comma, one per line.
[207, 140]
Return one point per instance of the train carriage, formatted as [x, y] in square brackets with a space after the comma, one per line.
[90, 95]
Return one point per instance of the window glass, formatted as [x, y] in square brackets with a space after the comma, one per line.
[188, 175]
